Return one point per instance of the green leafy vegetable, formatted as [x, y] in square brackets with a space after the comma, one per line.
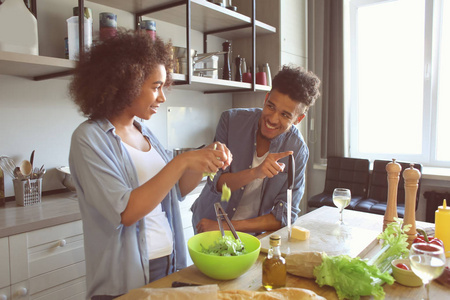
[226, 193]
[395, 245]
[210, 175]
[225, 246]
[354, 277]
[351, 277]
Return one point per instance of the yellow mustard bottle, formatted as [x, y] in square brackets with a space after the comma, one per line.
[442, 226]
[274, 266]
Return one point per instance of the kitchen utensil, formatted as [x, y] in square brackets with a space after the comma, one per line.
[220, 213]
[31, 162]
[226, 74]
[177, 151]
[219, 218]
[291, 175]
[327, 236]
[223, 267]
[25, 168]
[8, 165]
[180, 284]
[41, 172]
[18, 174]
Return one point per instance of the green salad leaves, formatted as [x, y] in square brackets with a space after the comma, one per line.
[225, 246]
[226, 193]
[354, 277]
[351, 277]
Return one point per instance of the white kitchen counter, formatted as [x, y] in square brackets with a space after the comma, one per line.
[53, 210]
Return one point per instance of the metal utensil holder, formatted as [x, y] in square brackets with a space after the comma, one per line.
[28, 192]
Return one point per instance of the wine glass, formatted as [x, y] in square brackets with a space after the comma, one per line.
[341, 198]
[427, 262]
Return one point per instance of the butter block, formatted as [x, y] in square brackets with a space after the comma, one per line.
[300, 233]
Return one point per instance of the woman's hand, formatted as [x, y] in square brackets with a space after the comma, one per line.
[218, 146]
[208, 159]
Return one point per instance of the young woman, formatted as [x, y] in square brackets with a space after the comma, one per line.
[128, 185]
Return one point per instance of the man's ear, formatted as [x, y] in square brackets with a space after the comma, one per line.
[299, 118]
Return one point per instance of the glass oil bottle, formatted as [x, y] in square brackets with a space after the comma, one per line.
[274, 266]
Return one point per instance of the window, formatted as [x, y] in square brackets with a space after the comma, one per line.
[398, 79]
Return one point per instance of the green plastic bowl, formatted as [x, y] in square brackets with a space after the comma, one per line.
[223, 267]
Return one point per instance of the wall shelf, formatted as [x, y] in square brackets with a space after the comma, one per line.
[32, 66]
[35, 67]
[209, 85]
[205, 17]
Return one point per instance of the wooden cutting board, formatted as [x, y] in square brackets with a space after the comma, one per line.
[326, 235]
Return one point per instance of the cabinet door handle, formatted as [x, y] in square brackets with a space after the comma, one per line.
[62, 243]
[22, 292]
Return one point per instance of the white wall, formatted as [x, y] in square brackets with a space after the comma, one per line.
[40, 116]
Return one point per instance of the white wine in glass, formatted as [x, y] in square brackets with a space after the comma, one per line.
[427, 262]
[341, 198]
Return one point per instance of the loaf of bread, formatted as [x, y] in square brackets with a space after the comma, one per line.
[277, 294]
[303, 264]
[210, 292]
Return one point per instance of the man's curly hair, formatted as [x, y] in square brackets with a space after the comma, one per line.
[300, 85]
[109, 76]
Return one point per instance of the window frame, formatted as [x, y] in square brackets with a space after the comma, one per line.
[433, 16]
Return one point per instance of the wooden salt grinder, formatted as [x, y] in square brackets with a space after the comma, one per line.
[393, 170]
[411, 177]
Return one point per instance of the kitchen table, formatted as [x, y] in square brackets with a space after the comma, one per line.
[251, 280]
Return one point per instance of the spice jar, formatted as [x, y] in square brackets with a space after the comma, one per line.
[274, 266]
[108, 25]
[149, 26]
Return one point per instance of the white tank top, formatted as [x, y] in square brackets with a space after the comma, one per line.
[250, 202]
[157, 228]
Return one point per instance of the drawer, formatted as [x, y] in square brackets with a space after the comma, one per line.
[72, 290]
[54, 234]
[5, 279]
[45, 250]
[67, 281]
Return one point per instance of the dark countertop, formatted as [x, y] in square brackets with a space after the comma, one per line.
[53, 210]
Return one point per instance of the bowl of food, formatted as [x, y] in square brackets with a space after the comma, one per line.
[401, 270]
[221, 258]
[67, 178]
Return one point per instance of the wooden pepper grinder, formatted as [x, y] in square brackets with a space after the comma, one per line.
[411, 177]
[226, 75]
[393, 170]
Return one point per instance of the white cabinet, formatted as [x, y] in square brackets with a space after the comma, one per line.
[5, 279]
[47, 263]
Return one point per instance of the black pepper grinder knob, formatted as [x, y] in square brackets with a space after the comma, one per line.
[226, 64]
[238, 63]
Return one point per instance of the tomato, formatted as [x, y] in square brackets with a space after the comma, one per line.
[402, 266]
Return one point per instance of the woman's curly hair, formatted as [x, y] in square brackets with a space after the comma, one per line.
[300, 85]
[109, 76]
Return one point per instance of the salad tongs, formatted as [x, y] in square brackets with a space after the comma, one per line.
[220, 213]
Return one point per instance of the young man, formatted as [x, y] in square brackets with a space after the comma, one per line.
[260, 141]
